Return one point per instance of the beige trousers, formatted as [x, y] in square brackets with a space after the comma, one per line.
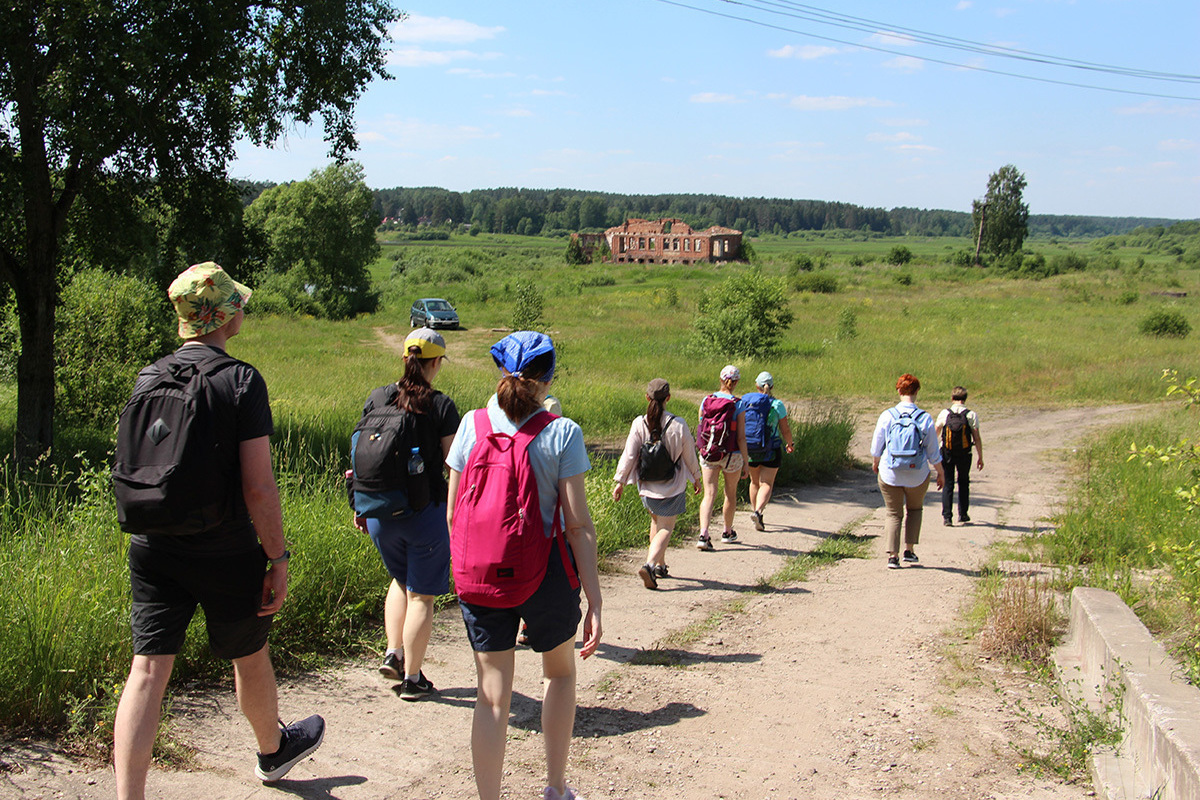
[897, 500]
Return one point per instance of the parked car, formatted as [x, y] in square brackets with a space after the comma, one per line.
[433, 312]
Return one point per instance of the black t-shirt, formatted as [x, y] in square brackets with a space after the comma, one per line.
[243, 412]
[441, 420]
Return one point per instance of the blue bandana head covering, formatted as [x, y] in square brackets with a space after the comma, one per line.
[517, 350]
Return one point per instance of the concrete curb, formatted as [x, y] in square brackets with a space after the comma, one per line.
[1109, 656]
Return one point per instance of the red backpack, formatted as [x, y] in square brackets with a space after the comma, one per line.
[498, 544]
[716, 435]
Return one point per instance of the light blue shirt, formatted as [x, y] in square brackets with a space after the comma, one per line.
[933, 455]
[555, 453]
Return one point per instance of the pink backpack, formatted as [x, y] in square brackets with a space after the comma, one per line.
[498, 544]
[716, 435]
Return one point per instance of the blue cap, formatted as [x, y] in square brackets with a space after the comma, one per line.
[515, 352]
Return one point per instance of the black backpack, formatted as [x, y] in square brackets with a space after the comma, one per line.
[380, 449]
[654, 460]
[174, 469]
[957, 436]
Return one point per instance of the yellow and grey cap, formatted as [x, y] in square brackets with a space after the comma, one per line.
[429, 341]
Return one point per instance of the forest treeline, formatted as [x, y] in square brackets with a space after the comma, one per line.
[551, 212]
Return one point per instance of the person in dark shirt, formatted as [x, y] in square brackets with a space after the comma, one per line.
[236, 571]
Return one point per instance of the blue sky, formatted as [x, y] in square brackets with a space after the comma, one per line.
[648, 97]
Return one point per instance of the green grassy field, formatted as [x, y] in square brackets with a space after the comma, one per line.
[1070, 339]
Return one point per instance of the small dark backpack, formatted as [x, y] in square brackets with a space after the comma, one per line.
[380, 448]
[654, 459]
[758, 428]
[173, 468]
[499, 549]
[716, 435]
[957, 436]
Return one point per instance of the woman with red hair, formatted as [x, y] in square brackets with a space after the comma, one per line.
[903, 448]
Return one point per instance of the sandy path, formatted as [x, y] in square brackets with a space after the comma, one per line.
[853, 684]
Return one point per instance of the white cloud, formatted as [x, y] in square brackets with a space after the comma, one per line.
[518, 112]
[902, 136]
[963, 5]
[1178, 145]
[1158, 107]
[549, 93]
[925, 148]
[417, 28]
[417, 57]
[371, 136]
[470, 72]
[713, 97]
[835, 103]
[905, 64]
[807, 52]
[892, 39]
[904, 123]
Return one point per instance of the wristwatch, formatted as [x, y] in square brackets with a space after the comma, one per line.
[286, 555]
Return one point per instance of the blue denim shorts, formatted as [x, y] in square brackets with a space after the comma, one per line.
[416, 549]
[551, 615]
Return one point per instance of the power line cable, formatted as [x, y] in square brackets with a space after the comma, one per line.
[930, 59]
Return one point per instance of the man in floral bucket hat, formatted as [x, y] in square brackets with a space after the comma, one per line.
[196, 491]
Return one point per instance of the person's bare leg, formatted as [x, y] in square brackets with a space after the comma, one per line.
[136, 725]
[558, 711]
[711, 476]
[766, 483]
[418, 626]
[730, 505]
[258, 697]
[660, 537]
[395, 607]
[489, 724]
[755, 487]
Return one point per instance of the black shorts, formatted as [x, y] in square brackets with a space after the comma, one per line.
[771, 458]
[167, 587]
[551, 615]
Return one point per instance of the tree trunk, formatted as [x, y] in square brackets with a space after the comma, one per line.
[35, 366]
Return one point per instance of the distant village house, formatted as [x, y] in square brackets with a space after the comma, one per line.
[665, 241]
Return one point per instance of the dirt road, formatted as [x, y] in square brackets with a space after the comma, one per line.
[854, 684]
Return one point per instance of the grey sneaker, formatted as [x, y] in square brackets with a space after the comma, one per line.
[550, 793]
[297, 742]
[729, 536]
[646, 573]
[660, 571]
[415, 690]
[705, 544]
[757, 518]
[392, 667]
[893, 562]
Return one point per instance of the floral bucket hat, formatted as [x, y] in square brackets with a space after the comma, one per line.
[205, 298]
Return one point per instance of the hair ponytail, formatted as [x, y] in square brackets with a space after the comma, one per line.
[416, 395]
[517, 395]
[654, 414]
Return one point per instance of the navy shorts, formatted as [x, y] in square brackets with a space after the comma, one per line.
[551, 615]
[168, 586]
[416, 549]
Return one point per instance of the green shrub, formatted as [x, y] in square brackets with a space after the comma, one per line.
[745, 315]
[527, 313]
[1166, 323]
[10, 334]
[857, 261]
[899, 255]
[903, 278]
[802, 262]
[108, 327]
[816, 282]
[847, 324]
[1128, 297]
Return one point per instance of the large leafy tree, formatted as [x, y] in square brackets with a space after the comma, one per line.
[1001, 218]
[321, 232]
[102, 92]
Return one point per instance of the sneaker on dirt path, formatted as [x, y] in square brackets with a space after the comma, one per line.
[646, 573]
[415, 690]
[757, 518]
[392, 667]
[893, 562]
[963, 518]
[949, 523]
[910, 557]
[296, 742]
[729, 536]
[705, 544]
[551, 793]
[660, 571]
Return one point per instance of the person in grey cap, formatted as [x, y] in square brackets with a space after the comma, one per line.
[660, 457]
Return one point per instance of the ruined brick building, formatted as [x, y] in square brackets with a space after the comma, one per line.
[666, 241]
